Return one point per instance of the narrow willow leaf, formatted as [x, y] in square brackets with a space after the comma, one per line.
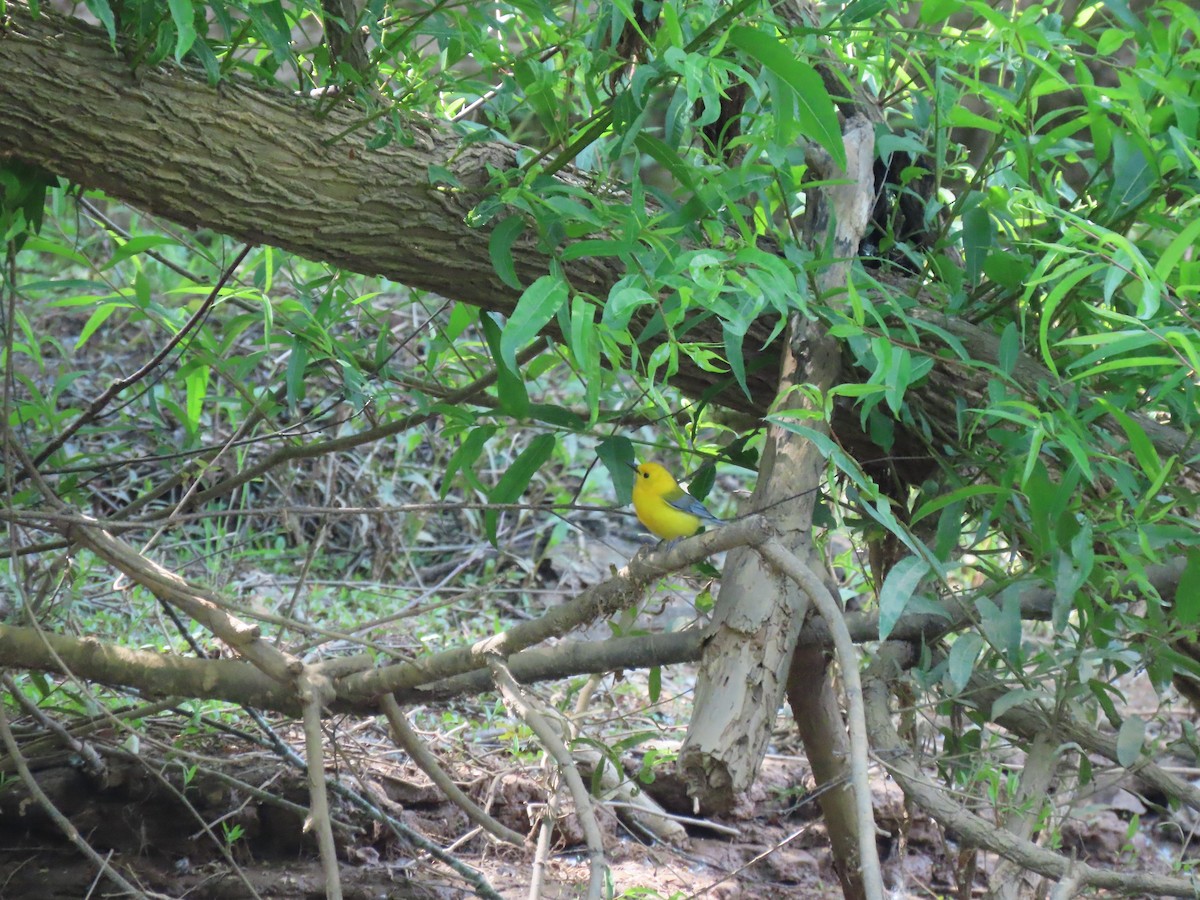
[818, 118]
[500, 249]
[510, 387]
[515, 480]
[536, 307]
[963, 654]
[183, 15]
[464, 457]
[616, 453]
[1130, 740]
[898, 588]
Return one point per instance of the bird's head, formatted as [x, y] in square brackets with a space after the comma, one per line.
[654, 477]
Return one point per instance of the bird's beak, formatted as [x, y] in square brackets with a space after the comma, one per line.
[632, 466]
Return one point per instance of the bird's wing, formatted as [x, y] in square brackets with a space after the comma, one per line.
[687, 503]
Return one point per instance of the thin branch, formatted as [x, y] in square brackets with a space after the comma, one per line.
[951, 815]
[598, 602]
[97, 406]
[64, 824]
[428, 763]
[375, 810]
[787, 563]
[314, 691]
[239, 682]
[551, 740]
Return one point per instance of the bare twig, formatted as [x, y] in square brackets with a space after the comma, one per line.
[97, 405]
[675, 817]
[541, 855]
[374, 809]
[973, 829]
[415, 748]
[315, 691]
[551, 740]
[706, 891]
[93, 764]
[791, 566]
[154, 768]
[1068, 886]
[1037, 778]
[601, 601]
[64, 824]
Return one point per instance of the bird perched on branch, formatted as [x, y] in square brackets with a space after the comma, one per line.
[666, 509]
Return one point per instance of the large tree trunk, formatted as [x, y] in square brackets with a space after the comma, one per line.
[272, 168]
[758, 615]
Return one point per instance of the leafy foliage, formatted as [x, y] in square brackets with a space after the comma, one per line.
[1042, 181]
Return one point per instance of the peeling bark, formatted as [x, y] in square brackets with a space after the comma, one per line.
[757, 619]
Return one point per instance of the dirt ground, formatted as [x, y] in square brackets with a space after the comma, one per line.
[772, 845]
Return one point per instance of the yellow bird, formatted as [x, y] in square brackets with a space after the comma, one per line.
[666, 509]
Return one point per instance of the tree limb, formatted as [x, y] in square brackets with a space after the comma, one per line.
[896, 758]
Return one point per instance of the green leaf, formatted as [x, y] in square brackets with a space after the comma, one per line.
[515, 480]
[537, 306]
[1187, 595]
[899, 586]
[1127, 17]
[500, 249]
[271, 24]
[861, 10]
[183, 14]
[935, 11]
[1010, 348]
[1134, 175]
[135, 245]
[96, 319]
[1184, 242]
[510, 387]
[1001, 624]
[464, 457]
[667, 157]
[616, 453]
[1141, 445]
[873, 503]
[559, 416]
[585, 349]
[977, 233]
[1130, 740]
[1064, 285]
[1007, 701]
[963, 654]
[654, 685]
[897, 378]
[196, 380]
[103, 12]
[818, 117]
[297, 367]
[733, 356]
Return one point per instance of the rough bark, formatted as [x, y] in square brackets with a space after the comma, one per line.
[757, 617]
[260, 165]
[268, 167]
